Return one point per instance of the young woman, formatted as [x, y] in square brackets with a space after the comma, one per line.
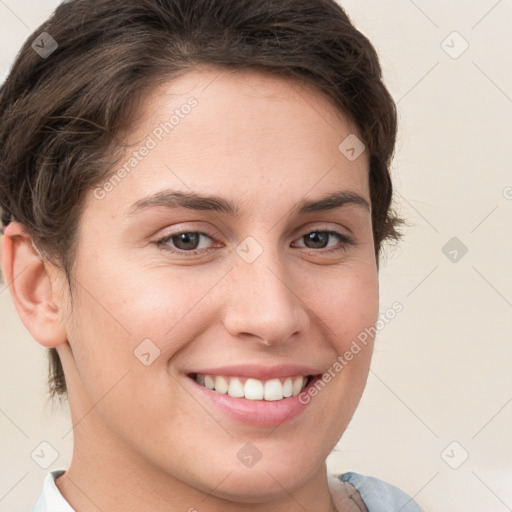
[194, 196]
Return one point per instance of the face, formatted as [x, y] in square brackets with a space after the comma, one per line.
[249, 289]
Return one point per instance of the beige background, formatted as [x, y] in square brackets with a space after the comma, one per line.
[441, 370]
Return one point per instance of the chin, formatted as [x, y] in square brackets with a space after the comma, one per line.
[266, 480]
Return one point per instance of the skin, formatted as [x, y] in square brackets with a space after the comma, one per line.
[141, 440]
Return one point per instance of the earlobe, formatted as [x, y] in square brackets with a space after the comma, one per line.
[32, 290]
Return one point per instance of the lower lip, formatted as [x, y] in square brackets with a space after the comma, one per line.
[261, 413]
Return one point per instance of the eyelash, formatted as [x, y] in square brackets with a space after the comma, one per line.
[163, 242]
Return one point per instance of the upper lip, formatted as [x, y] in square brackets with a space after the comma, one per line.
[259, 372]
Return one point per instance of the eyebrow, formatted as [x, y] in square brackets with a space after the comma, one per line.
[214, 203]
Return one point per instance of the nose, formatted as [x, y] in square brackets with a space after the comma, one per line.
[264, 302]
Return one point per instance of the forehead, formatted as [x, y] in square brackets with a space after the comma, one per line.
[236, 133]
[249, 100]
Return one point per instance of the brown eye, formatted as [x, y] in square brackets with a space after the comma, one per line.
[317, 239]
[320, 240]
[184, 242]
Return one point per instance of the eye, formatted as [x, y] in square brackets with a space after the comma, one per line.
[185, 242]
[189, 242]
[319, 240]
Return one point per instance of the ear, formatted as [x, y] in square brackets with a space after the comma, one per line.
[32, 287]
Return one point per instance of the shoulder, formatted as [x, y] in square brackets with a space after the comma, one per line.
[50, 499]
[378, 495]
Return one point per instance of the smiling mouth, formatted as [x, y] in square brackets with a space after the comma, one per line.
[254, 389]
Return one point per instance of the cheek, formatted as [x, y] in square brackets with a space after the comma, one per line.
[347, 302]
[121, 303]
[348, 306]
[122, 313]
[169, 307]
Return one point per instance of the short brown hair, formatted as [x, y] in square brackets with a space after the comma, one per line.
[59, 116]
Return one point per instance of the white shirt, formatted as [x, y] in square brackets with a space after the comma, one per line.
[378, 496]
[51, 500]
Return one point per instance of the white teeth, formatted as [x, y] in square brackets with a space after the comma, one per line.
[288, 387]
[236, 388]
[298, 383]
[253, 389]
[221, 385]
[208, 381]
[273, 390]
